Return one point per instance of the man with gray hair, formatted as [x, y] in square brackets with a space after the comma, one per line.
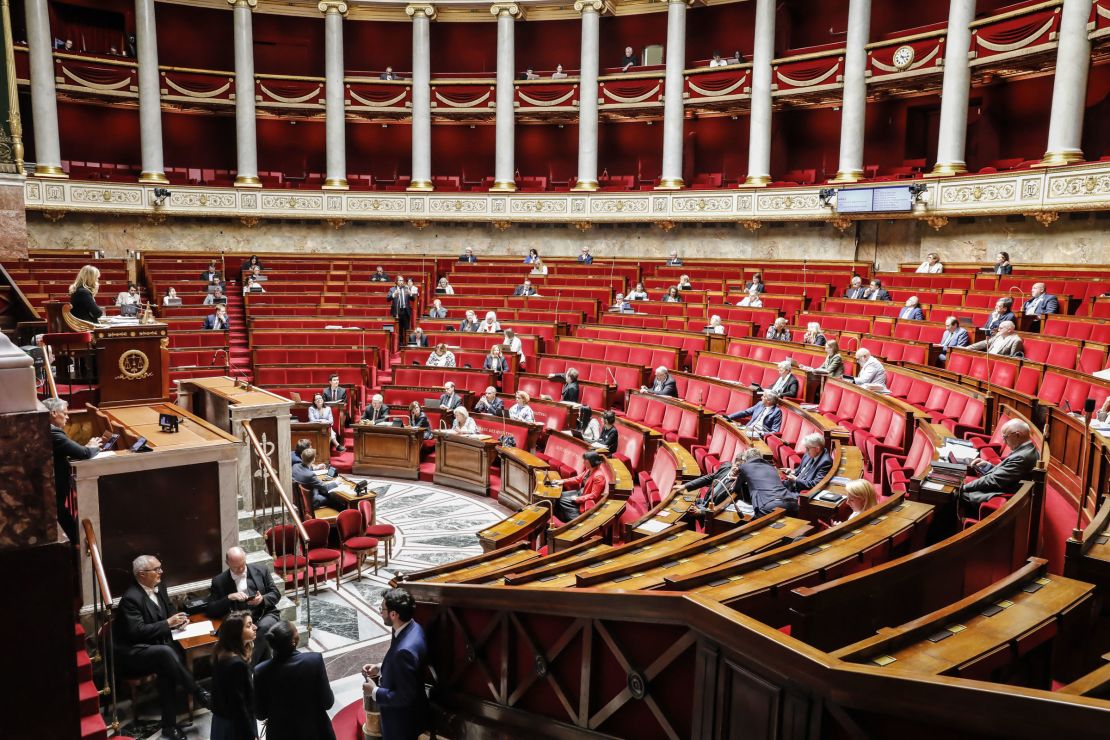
[778, 331]
[761, 486]
[1005, 342]
[143, 630]
[815, 464]
[765, 417]
[869, 371]
[663, 385]
[65, 451]
[1006, 477]
[719, 486]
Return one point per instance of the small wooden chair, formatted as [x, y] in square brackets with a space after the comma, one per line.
[350, 527]
[318, 553]
[383, 532]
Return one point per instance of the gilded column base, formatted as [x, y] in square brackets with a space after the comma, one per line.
[420, 186]
[757, 181]
[947, 169]
[670, 183]
[336, 183]
[587, 186]
[1055, 159]
[50, 171]
[847, 176]
[503, 186]
[247, 181]
[154, 178]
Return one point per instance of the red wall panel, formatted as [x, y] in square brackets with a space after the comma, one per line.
[287, 45]
[547, 151]
[383, 151]
[204, 141]
[196, 37]
[371, 46]
[293, 147]
[631, 148]
[1096, 125]
[542, 45]
[805, 140]
[723, 28]
[93, 133]
[717, 145]
[462, 151]
[466, 47]
[1010, 121]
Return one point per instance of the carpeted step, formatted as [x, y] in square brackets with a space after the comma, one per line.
[93, 727]
[88, 698]
[78, 636]
[84, 666]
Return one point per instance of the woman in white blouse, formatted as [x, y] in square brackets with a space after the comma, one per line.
[638, 294]
[752, 300]
[171, 295]
[444, 287]
[932, 265]
[440, 357]
[319, 411]
[521, 411]
[489, 325]
[463, 423]
[715, 325]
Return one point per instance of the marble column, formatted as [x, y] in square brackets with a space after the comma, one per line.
[587, 93]
[1069, 89]
[673, 105]
[504, 177]
[246, 140]
[853, 108]
[150, 94]
[422, 16]
[44, 101]
[952, 139]
[759, 134]
[335, 110]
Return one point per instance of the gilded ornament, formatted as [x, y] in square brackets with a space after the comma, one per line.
[751, 225]
[134, 365]
[937, 222]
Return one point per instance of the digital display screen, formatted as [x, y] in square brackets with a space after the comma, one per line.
[893, 199]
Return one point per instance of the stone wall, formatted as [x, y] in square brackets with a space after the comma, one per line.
[1075, 239]
[13, 219]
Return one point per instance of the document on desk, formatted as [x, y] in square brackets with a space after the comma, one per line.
[193, 629]
[654, 525]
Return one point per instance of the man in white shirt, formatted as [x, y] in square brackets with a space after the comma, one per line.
[870, 372]
[512, 341]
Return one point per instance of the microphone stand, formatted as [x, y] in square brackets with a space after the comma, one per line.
[1084, 472]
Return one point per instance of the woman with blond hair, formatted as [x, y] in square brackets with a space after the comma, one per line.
[861, 496]
[521, 411]
[813, 334]
[82, 295]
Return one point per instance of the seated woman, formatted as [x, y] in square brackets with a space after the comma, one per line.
[170, 298]
[253, 286]
[538, 268]
[813, 335]
[521, 411]
[417, 418]
[495, 361]
[319, 411]
[463, 423]
[672, 295]
[638, 293]
[684, 283]
[861, 497]
[82, 295]
[581, 493]
[532, 258]
[470, 323]
[489, 325]
[715, 326]
[607, 438]
[751, 300]
[757, 284]
[441, 357]
[444, 287]
[833, 364]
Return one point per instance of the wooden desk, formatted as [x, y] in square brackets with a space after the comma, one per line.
[133, 364]
[519, 469]
[462, 461]
[628, 555]
[595, 522]
[526, 525]
[387, 450]
[478, 568]
[346, 490]
[667, 513]
[318, 434]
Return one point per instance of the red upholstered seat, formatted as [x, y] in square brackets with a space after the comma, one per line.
[383, 532]
[350, 527]
[319, 554]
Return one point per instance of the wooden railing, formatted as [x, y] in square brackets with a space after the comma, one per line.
[102, 619]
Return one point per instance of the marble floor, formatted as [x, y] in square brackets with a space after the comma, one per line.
[435, 525]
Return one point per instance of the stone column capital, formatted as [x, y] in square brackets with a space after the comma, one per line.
[592, 6]
[331, 6]
[250, 4]
[422, 10]
[510, 9]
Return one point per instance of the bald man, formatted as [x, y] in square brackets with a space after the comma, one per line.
[1006, 477]
[250, 588]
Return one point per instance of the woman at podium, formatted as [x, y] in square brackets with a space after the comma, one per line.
[82, 295]
[463, 423]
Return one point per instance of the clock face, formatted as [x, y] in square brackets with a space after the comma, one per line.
[903, 57]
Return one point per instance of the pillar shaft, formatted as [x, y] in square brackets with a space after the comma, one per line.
[952, 140]
[1069, 89]
[587, 94]
[335, 113]
[673, 106]
[853, 110]
[150, 94]
[504, 176]
[422, 16]
[44, 101]
[759, 134]
[246, 140]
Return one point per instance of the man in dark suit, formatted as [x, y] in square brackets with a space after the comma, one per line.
[762, 487]
[143, 631]
[1006, 477]
[216, 320]
[675, 260]
[468, 257]
[250, 588]
[292, 691]
[1003, 311]
[379, 276]
[489, 403]
[397, 684]
[912, 310]
[856, 290]
[663, 385]
[585, 258]
[211, 273]
[306, 476]
[876, 292]
[525, 289]
[400, 306]
[417, 338]
[815, 464]
[449, 400]
[376, 410]
[570, 386]
[954, 336]
[717, 487]
[66, 450]
[334, 392]
[765, 417]
[1040, 303]
[302, 445]
[387, 74]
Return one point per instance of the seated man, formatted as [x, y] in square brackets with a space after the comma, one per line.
[1006, 477]
[417, 338]
[449, 400]
[765, 417]
[762, 487]
[717, 488]
[778, 331]
[815, 465]
[1005, 342]
[1040, 303]
[143, 631]
[869, 371]
[581, 493]
[675, 260]
[525, 289]
[306, 476]
[379, 276]
[585, 258]
[1003, 311]
[856, 289]
[468, 256]
[377, 410]
[216, 320]
[489, 403]
[569, 393]
[302, 445]
[334, 392]
[954, 336]
[620, 305]
[664, 384]
[876, 292]
[912, 310]
[437, 311]
[245, 587]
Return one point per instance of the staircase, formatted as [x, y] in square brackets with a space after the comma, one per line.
[238, 348]
[92, 723]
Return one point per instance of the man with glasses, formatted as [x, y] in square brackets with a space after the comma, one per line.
[1006, 477]
[397, 684]
[65, 451]
[144, 644]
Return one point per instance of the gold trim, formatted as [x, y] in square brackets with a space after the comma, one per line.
[848, 176]
[757, 181]
[420, 186]
[336, 183]
[670, 183]
[1056, 159]
[425, 9]
[586, 186]
[50, 171]
[947, 169]
[503, 186]
[15, 123]
[154, 178]
[247, 181]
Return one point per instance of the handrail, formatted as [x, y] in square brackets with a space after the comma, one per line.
[275, 480]
[93, 551]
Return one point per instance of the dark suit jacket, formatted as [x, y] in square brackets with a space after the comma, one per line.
[810, 471]
[667, 388]
[138, 623]
[210, 322]
[294, 695]
[570, 392]
[434, 313]
[992, 323]
[258, 582]
[400, 693]
[762, 486]
[339, 395]
[880, 295]
[307, 477]
[233, 696]
[470, 259]
[484, 407]
[83, 306]
[65, 449]
[499, 365]
[914, 314]
[714, 495]
[790, 388]
[368, 413]
[772, 422]
[468, 326]
[856, 293]
[959, 338]
[1041, 305]
[676, 262]
[585, 259]
[759, 287]
[1006, 476]
[1004, 269]
[422, 422]
[609, 438]
[395, 309]
[422, 342]
[376, 278]
[448, 403]
[522, 291]
[387, 76]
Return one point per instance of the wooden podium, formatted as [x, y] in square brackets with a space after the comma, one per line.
[132, 363]
[463, 461]
[518, 476]
[387, 450]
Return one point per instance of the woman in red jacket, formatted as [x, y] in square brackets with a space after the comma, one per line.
[582, 492]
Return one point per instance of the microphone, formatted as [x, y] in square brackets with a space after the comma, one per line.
[1068, 404]
[1089, 406]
